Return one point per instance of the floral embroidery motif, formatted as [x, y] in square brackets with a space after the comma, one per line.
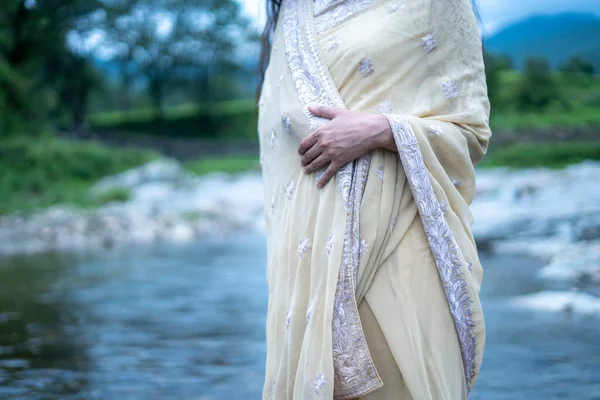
[329, 245]
[273, 389]
[272, 139]
[429, 43]
[273, 206]
[288, 320]
[280, 80]
[303, 247]
[308, 315]
[365, 67]
[445, 250]
[289, 190]
[331, 13]
[287, 123]
[450, 90]
[456, 182]
[364, 247]
[386, 107]
[470, 265]
[444, 206]
[333, 43]
[434, 130]
[396, 6]
[380, 173]
[318, 384]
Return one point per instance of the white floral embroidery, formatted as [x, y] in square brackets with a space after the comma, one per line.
[303, 247]
[386, 107]
[288, 320]
[364, 247]
[365, 67]
[287, 123]
[272, 139]
[289, 190]
[318, 384]
[443, 206]
[380, 173]
[329, 245]
[333, 43]
[280, 80]
[396, 5]
[434, 130]
[457, 182]
[470, 265]
[308, 315]
[329, 14]
[450, 90]
[273, 389]
[429, 43]
[273, 206]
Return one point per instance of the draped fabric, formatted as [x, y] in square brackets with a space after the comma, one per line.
[374, 279]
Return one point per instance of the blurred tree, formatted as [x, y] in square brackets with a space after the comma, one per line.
[578, 66]
[537, 88]
[494, 65]
[34, 38]
[169, 44]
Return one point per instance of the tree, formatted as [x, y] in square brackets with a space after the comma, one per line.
[171, 43]
[34, 38]
[494, 65]
[577, 66]
[537, 88]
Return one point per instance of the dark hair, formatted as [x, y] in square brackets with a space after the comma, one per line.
[273, 7]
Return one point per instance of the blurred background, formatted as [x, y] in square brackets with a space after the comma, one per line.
[132, 249]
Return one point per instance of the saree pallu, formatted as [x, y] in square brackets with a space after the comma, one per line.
[374, 279]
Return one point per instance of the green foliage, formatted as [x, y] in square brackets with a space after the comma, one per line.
[234, 119]
[229, 164]
[537, 88]
[48, 171]
[577, 67]
[549, 155]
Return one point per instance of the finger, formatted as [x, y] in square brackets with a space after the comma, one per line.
[307, 143]
[325, 112]
[319, 162]
[311, 154]
[328, 174]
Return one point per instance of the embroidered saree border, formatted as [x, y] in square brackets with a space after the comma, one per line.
[445, 250]
[355, 373]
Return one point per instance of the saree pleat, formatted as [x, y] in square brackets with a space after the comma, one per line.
[374, 279]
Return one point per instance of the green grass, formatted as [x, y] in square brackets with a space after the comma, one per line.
[37, 173]
[229, 164]
[549, 155]
[583, 116]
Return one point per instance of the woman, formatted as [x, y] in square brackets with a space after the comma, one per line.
[372, 116]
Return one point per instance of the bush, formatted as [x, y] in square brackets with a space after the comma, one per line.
[49, 171]
[549, 155]
[229, 120]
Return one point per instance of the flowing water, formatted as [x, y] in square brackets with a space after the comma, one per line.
[187, 322]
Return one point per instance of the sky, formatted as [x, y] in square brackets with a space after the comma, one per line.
[495, 13]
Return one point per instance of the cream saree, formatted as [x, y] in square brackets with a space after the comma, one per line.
[374, 279]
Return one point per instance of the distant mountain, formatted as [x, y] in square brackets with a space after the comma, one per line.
[555, 37]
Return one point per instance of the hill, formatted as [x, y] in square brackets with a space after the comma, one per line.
[554, 37]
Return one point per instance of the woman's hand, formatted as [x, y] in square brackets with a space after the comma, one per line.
[348, 136]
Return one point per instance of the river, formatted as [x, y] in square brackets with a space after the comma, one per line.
[187, 321]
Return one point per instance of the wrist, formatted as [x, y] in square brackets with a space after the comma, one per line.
[383, 137]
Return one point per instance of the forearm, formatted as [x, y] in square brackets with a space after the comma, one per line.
[383, 138]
